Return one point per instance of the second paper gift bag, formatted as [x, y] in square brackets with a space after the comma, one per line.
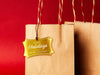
[87, 46]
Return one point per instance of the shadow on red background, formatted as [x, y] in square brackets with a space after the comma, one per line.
[14, 14]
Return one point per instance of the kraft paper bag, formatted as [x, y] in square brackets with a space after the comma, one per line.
[88, 44]
[87, 36]
[61, 62]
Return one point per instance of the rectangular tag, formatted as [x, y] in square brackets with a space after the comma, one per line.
[38, 47]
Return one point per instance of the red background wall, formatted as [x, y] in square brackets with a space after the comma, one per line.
[14, 14]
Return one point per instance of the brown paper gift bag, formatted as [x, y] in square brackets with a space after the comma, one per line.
[62, 61]
[87, 47]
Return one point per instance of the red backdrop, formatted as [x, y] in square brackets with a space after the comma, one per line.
[14, 14]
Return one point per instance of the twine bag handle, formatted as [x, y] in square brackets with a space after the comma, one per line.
[92, 19]
[60, 12]
[93, 11]
[73, 11]
[39, 16]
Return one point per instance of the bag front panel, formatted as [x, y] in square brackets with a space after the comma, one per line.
[62, 61]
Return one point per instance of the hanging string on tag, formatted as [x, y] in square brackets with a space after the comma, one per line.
[39, 17]
[93, 10]
[60, 12]
[82, 9]
[73, 10]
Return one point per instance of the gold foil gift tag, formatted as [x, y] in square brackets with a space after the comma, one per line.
[38, 47]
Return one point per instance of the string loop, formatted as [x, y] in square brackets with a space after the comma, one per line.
[39, 17]
[82, 10]
[93, 11]
[73, 10]
[60, 12]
